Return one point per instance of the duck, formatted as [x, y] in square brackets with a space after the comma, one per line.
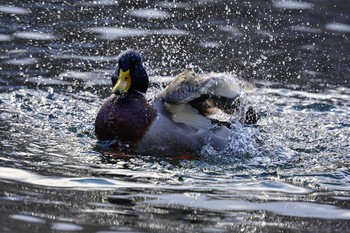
[177, 120]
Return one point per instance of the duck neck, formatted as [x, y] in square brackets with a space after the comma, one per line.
[135, 93]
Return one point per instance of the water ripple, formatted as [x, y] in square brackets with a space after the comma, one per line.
[26, 218]
[292, 5]
[113, 33]
[14, 10]
[290, 172]
[296, 209]
[149, 13]
[338, 27]
[33, 35]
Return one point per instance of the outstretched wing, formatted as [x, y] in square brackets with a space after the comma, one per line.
[190, 98]
[188, 86]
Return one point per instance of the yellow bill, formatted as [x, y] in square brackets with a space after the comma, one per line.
[123, 83]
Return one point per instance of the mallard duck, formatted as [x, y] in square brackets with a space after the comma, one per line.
[177, 120]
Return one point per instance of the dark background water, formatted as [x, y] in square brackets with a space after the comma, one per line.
[55, 62]
[294, 42]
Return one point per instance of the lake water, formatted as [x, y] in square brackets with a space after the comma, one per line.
[289, 173]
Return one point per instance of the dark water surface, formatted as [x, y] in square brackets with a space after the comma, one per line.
[290, 173]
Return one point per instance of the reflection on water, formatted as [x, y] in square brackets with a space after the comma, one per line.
[288, 173]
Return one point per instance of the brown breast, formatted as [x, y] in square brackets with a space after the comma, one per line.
[125, 118]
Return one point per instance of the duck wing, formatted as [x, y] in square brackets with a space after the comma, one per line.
[206, 94]
[189, 86]
[192, 99]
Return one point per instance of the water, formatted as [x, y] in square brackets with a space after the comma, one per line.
[289, 173]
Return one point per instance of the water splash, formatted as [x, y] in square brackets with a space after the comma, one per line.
[295, 51]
